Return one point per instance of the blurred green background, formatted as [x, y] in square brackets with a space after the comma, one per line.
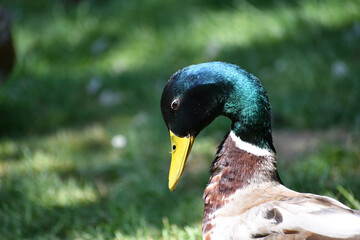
[84, 152]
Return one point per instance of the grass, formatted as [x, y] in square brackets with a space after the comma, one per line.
[90, 71]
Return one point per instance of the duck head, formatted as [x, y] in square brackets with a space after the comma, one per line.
[196, 95]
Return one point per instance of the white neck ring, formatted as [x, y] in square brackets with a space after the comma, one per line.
[248, 147]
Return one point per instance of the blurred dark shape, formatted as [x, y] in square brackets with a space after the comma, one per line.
[7, 52]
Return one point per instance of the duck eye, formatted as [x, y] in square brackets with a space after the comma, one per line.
[175, 104]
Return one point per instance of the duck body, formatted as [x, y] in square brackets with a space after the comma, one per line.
[245, 198]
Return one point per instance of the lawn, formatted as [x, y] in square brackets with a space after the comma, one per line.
[84, 152]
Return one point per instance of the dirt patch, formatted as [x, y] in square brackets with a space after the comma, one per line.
[291, 144]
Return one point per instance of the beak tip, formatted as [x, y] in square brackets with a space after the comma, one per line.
[172, 186]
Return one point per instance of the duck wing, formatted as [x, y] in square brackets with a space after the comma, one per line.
[306, 216]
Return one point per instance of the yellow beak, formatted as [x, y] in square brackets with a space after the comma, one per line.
[180, 149]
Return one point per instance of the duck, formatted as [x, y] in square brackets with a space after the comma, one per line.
[245, 197]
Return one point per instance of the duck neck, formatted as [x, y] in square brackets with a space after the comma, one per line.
[247, 105]
[259, 137]
[238, 165]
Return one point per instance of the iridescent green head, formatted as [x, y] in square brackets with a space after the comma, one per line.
[196, 95]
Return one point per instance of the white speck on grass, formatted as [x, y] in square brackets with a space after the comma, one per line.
[99, 46]
[94, 86]
[280, 65]
[212, 49]
[140, 119]
[356, 29]
[119, 141]
[339, 69]
[110, 98]
[353, 34]
[118, 67]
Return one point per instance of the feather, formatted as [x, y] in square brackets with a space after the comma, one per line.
[280, 213]
[321, 215]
